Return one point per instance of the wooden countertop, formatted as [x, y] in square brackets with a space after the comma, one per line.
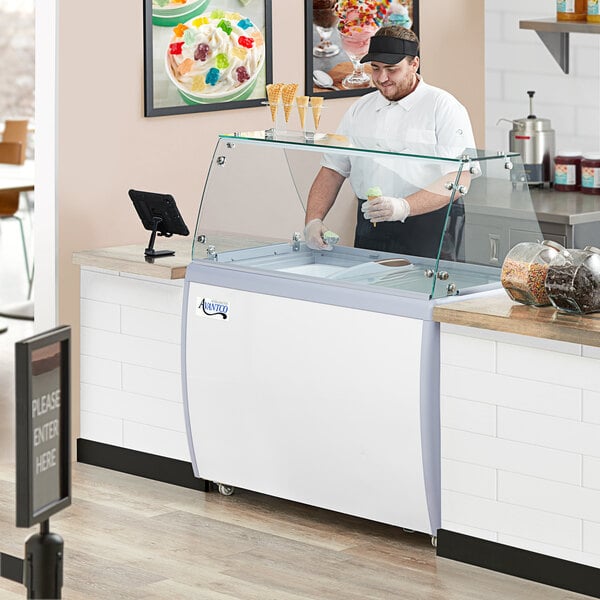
[131, 259]
[497, 312]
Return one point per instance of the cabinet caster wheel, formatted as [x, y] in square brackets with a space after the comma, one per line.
[225, 490]
[434, 541]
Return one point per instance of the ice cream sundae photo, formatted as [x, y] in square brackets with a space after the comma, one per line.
[215, 57]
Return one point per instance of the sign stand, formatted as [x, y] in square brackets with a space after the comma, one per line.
[43, 469]
[43, 572]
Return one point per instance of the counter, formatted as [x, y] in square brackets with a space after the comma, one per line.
[499, 313]
[520, 431]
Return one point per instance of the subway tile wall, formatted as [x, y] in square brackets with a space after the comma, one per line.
[521, 442]
[517, 61]
[130, 363]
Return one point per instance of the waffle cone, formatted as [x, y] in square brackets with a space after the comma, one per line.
[288, 93]
[317, 107]
[273, 95]
[369, 198]
[302, 104]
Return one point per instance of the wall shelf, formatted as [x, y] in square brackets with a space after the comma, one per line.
[555, 35]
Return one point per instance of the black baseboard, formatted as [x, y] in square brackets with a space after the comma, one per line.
[557, 572]
[142, 464]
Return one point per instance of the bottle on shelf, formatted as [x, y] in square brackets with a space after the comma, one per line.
[593, 11]
[571, 10]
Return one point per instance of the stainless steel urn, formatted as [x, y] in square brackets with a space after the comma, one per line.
[533, 138]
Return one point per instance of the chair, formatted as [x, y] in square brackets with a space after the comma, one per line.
[16, 131]
[10, 153]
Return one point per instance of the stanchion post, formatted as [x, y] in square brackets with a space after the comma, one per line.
[43, 569]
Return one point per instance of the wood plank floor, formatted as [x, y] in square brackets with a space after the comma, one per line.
[132, 539]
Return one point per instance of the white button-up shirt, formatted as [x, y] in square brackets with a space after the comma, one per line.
[427, 122]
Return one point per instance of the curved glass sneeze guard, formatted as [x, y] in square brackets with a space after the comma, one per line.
[253, 207]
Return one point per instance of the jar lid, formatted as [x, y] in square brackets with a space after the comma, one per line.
[554, 245]
[569, 153]
[592, 155]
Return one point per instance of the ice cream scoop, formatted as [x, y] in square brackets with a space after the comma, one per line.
[330, 237]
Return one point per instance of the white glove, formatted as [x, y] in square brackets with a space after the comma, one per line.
[313, 235]
[385, 208]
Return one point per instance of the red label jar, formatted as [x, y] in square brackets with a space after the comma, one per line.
[590, 173]
[567, 171]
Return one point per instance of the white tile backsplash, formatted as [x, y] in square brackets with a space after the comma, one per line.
[544, 457]
[154, 440]
[132, 407]
[151, 324]
[511, 456]
[548, 366]
[549, 496]
[467, 415]
[524, 63]
[549, 432]
[591, 538]
[131, 390]
[591, 406]
[533, 524]
[468, 352]
[130, 349]
[468, 478]
[591, 472]
[101, 428]
[100, 371]
[152, 382]
[512, 392]
[102, 315]
[128, 291]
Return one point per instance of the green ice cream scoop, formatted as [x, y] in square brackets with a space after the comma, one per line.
[374, 191]
[330, 237]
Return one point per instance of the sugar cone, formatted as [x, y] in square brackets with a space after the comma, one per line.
[273, 95]
[317, 107]
[373, 193]
[302, 104]
[288, 93]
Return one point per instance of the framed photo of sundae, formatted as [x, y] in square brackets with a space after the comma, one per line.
[204, 55]
[337, 36]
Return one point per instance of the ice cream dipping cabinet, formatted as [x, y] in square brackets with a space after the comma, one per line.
[314, 375]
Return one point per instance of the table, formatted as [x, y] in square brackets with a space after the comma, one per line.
[14, 184]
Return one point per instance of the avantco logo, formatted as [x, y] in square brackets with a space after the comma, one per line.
[212, 308]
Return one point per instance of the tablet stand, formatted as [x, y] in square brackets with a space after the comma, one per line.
[150, 251]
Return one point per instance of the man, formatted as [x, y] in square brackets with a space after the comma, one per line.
[412, 117]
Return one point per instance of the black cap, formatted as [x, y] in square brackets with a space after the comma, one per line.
[389, 50]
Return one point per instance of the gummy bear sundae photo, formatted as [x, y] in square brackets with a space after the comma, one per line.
[210, 60]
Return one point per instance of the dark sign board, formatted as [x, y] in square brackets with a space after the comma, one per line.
[43, 398]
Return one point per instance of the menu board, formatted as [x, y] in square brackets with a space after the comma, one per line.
[43, 432]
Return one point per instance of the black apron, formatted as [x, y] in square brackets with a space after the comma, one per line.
[417, 236]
